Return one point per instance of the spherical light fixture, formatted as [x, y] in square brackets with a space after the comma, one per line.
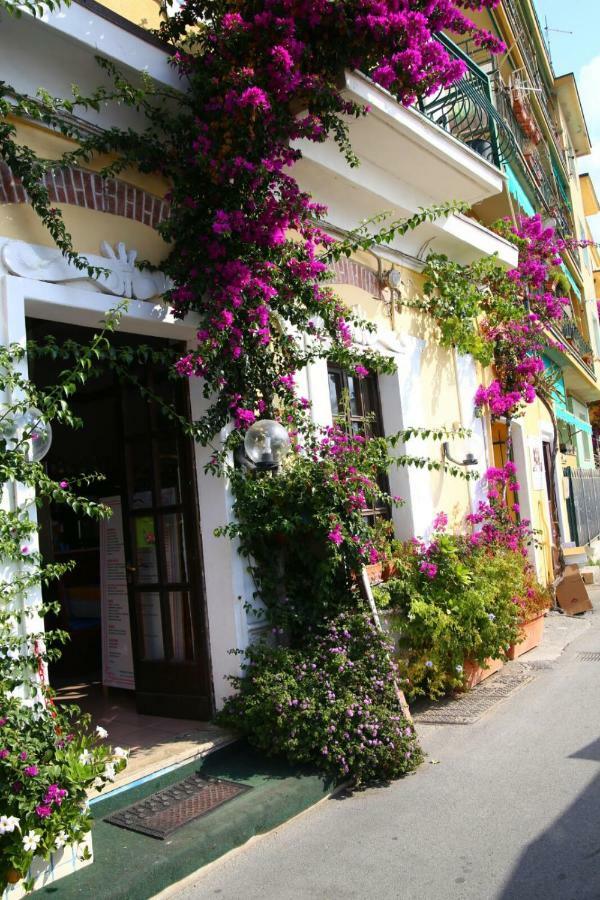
[31, 433]
[393, 279]
[267, 443]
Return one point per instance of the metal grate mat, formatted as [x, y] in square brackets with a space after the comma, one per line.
[164, 812]
[464, 709]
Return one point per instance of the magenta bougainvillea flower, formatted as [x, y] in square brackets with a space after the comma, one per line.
[247, 244]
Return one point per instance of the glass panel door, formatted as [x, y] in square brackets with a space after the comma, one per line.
[164, 565]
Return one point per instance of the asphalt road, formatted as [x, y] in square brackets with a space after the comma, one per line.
[510, 812]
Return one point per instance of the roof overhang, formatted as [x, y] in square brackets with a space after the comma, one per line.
[591, 205]
[568, 95]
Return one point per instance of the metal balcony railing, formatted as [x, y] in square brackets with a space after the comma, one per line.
[545, 185]
[573, 335]
[529, 53]
[466, 110]
[567, 334]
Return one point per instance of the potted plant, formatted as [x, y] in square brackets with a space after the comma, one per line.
[449, 609]
[49, 761]
[532, 610]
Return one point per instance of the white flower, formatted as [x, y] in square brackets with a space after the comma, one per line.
[8, 823]
[85, 757]
[109, 772]
[61, 839]
[30, 841]
[101, 732]
[120, 753]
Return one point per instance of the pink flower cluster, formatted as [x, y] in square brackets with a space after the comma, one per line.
[496, 519]
[53, 796]
[358, 481]
[518, 344]
[268, 76]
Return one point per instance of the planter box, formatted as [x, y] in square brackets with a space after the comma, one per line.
[531, 635]
[375, 573]
[45, 872]
[475, 673]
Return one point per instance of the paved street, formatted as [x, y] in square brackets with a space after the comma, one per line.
[506, 808]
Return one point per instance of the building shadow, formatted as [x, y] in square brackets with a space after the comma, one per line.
[563, 863]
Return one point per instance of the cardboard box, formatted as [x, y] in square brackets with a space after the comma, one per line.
[588, 577]
[571, 593]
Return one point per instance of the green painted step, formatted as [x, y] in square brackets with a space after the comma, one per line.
[130, 866]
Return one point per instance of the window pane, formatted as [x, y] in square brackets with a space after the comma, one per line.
[335, 392]
[354, 396]
[181, 626]
[174, 547]
[169, 472]
[149, 618]
[136, 418]
[145, 556]
[139, 461]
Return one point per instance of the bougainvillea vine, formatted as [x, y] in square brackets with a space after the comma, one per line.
[249, 255]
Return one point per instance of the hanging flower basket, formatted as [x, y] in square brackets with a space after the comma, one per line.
[531, 635]
[43, 872]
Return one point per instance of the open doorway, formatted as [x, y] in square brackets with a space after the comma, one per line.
[133, 605]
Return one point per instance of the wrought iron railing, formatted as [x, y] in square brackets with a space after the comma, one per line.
[569, 338]
[529, 157]
[583, 504]
[529, 53]
[572, 334]
[466, 110]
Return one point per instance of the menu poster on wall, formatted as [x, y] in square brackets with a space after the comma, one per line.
[538, 477]
[117, 656]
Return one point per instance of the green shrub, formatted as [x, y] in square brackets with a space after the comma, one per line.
[331, 704]
[464, 606]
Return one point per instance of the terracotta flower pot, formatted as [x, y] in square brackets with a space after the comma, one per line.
[388, 569]
[475, 673]
[374, 573]
[531, 635]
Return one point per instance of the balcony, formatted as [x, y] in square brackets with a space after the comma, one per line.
[579, 377]
[536, 164]
[466, 110]
[577, 342]
[526, 47]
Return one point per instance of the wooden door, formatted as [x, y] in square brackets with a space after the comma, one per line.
[164, 563]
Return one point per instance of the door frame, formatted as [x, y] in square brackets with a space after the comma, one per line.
[26, 298]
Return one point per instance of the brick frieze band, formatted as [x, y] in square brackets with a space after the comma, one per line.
[79, 187]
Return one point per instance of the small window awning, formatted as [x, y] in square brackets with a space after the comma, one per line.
[565, 416]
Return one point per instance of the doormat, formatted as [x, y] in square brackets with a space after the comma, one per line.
[164, 812]
[464, 709]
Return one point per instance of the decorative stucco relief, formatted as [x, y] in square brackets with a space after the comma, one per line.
[121, 276]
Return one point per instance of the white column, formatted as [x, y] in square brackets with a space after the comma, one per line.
[526, 495]
[402, 407]
[226, 583]
[317, 383]
[16, 495]
[467, 382]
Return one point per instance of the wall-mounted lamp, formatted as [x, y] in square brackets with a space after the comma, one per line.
[393, 279]
[30, 432]
[469, 459]
[266, 444]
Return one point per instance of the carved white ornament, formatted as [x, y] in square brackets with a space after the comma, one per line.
[122, 278]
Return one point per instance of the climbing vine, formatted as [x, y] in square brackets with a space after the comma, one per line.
[49, 755]
[250, 256]
[501, 316]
